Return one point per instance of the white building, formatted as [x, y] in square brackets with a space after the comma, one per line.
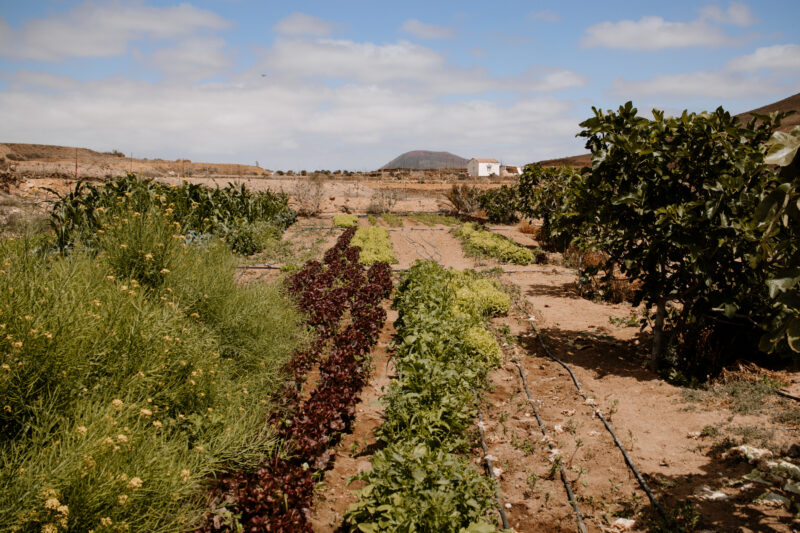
[480, 167]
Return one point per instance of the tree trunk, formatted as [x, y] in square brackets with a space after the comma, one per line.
[657, 354]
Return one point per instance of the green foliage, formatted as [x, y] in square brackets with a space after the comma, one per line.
[482, 243]
[345, 221]
[394, 221]
[778, 214]
[423, 489]
[432, 219]
[500, 205]
[443, 352]
[375, 245]
[242, 216]
[463, 199]
[130, 373]
[549, 193]
[684, 207]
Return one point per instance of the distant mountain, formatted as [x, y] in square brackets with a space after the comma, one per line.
[787, 104]
[425, 160]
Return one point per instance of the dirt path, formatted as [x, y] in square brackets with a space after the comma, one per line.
[356, 448]
[666, 435]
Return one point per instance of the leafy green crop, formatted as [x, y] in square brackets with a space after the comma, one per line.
[345, 221]
[484, 243]
[375, 244]
[443, 353]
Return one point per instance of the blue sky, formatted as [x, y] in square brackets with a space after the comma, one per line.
[352, 84]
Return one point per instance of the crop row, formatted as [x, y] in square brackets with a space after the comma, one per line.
[375, 245]
[482, 243]
[422, 479]
[278, 496]
[244, 218]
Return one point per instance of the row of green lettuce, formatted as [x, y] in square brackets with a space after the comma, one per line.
[422, 480]
[132, 369]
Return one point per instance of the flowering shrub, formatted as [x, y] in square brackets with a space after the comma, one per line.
[130, 374]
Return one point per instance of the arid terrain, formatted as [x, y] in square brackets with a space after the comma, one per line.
[679, 438]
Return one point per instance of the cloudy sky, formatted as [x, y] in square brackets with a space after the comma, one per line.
[352, 84]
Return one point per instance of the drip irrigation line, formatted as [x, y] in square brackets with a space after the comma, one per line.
[259, 267]
[642, 483]
[436, 252]
[564, 480]
[491, 471]
[787, 395]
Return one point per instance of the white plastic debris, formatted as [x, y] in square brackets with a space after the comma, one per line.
[558, 429]
[770, 499]
[623, 524]
[707, 493]
[750, 453]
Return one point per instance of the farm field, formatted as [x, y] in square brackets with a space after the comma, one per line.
[679, 438]
[676, 436]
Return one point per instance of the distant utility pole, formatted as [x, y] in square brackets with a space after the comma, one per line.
[76, 163]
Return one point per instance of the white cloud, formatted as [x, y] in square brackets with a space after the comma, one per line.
[283, 123]
[717, 84]
[737, 14]
[103, 30]
[302, 24]
[653, 33]
[406, 65]
[425, 30]
[782, 57]
[547, 80]
[193, 59]
[545, 15]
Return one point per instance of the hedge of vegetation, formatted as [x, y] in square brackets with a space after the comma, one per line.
[375, 244]
[131, 372]
[689, 209]
[481, 243]
[422, 480]
[245, 219]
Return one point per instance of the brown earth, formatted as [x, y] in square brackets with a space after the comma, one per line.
[659, 427]
[674, 435]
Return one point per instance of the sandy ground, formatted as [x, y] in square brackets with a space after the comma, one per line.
[659, 424]
[659, 429]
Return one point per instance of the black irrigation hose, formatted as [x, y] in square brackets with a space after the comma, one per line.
[787, 395]
[436, 252]
[599, 414]
[564, 480]
[491, 471]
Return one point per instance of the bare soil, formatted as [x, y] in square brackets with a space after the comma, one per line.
[676, 436]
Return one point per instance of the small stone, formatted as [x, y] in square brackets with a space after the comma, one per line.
[508, 506]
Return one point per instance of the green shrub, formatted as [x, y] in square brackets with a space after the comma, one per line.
[198, 209]
[375, 244]
[484, 243]
[128, 380]
[345, 221]
[500, 205]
